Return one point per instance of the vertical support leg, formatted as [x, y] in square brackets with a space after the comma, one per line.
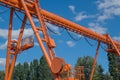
[94, 63]
[9, 44]
[21, 33]
[42, 23]
[36, 33]
[12, 67]
[45, 33]
[17, 50]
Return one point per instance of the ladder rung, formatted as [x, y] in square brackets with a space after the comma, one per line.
[38, 28]
[12, 53]
[44, 40]
[29, 1]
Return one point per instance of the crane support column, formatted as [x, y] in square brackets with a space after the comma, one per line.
[12, 54]
[9, 45]
[94, 63]
[36, 33]
[17, 48]
[43, 26]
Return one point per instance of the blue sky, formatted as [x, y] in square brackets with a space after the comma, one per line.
[100, 16]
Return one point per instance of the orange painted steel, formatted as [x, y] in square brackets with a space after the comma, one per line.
[45, 52]
[10, 65]
[59, 21]
[79, 73]
[21, 33]
[9, 44]
[31, 9]
[18, 49]
[94, 62]
[113, 44]
[36, 33]
[43, 26]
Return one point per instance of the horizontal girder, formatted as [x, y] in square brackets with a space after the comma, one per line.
[59, 21]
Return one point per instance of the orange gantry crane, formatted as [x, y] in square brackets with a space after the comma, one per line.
[30, 9]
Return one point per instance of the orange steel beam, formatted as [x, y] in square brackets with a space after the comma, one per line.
[18, 48]
[36, 33]
[43, 26]
[10, 64]
[9, 45]
[12, 67]
[94, 63]
[57, 20]
[21, 34]
[113, 44]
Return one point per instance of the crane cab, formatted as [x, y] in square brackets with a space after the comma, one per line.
[13, 45]
[27, 43]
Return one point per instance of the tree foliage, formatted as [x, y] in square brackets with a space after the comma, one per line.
[87, 63]
[45, 73]
[39, 70]
[114, 67]
[1, 75]
[36, 70]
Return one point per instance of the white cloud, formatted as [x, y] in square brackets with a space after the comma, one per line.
[2, 61]
[28, 32]
[3, 33]
[53, 28]
[72, 8]
[80, 16]
[35, 20]
[96, 27]
[109, 9]
[3, 46]
[117, 38]
[36, 44]
[108, 4]
[99, 30]
[103, 17]
[15, 33]
[70, 43]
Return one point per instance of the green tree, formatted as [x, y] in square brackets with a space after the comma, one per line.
[26, 71]
[31, 71]
[18, 73]
[1, 75]
[107, 76]
[35, 69]
[98, 75]
[45, 73]
[113, 66]
[87, 63]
